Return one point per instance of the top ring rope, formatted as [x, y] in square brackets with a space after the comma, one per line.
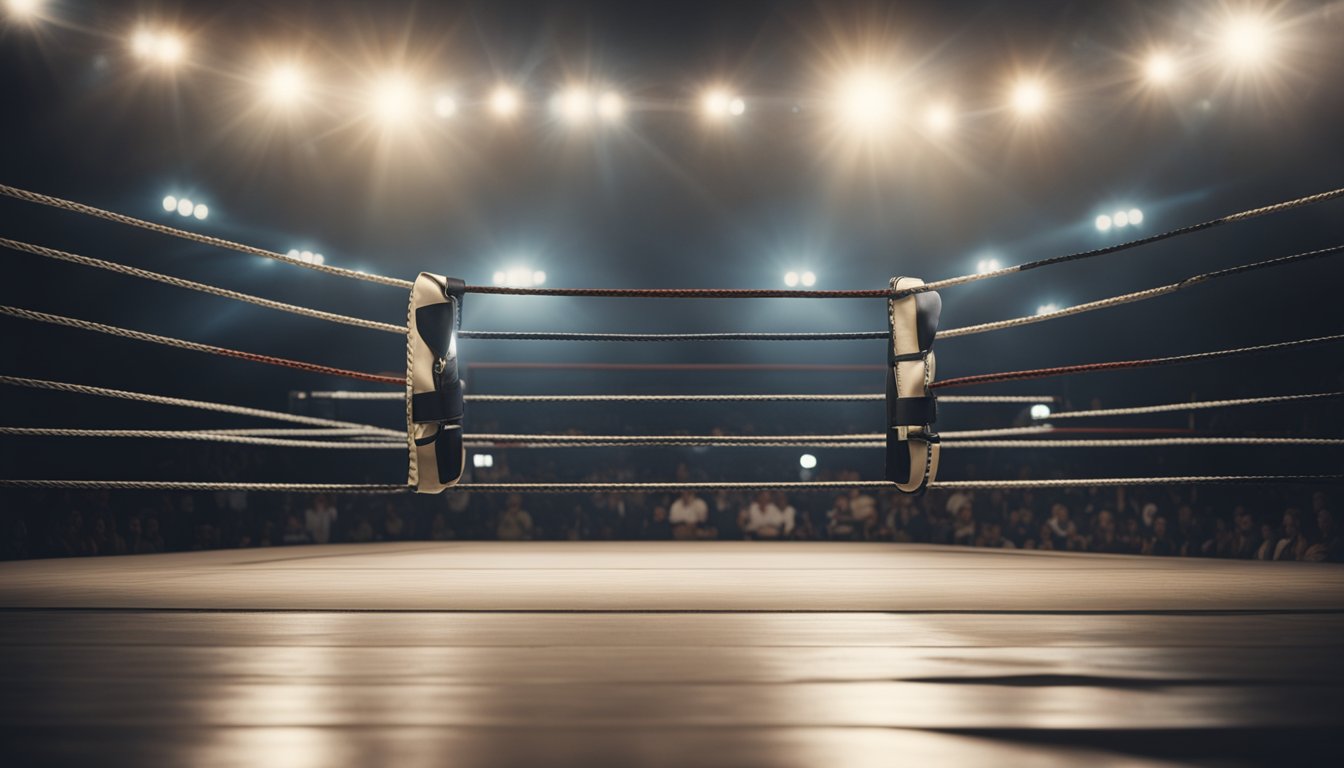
[1078, 309]
[123, 269]
[763, 398]
[802, 487]
[669, 293]
[168, 341]
[1191, 406]
[121, 218]
[238, 410]
[1041, 373]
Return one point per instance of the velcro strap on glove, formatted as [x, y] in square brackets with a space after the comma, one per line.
[433, 384]
[912, 409]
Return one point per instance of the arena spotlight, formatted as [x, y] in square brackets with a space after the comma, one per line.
[1040, 411]
[610, 106]
[719, 103]
[519, 277]
[1103, 223]
[161, 47]
[482, 460]
[393, 99]
[445, 106]
[808, 278]
[284, 85]
[987, 265]
[938, 118]
[1135, 216]
[791, 279]
[170, 203]
[807, 461]
[504, 102]
[867, 101]
[1121, 219]
[574, 105]
[24, 10]
[1160, 68]
[1246, 40]
[201, 211]
[1046, 309]
[1028, 98]
[185, 207]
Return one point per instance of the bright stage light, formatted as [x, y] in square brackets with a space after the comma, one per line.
[1160, 68]
[201, 211]
[445, 106]
[808, 279]
[718, 104]
[319, 259]
[24, 9]
[985, 266]
[1046, 309]
[938, 118]
[293, 254]
[284, 85]
[1040, 411]
[1029, 97]
[1103, 223]
[306, 257]
[159, 46]
[867, 101]
[1246, 40]
[807, 461]
[574, 105]
[482, 460]
[519, 277]
[1121, 218]
[170, 203]
[143, 42]
[791, 279]
[185, 207]
[610, 106]
[504, 102]
[393, 99]
[1135, 216]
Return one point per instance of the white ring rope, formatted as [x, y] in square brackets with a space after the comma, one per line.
[949, 485]
[195, 435]
[120, 218]
[88, 261]
[1126, 298]
[1191, 406]
[864, 397]
[1143, 442]
[83, 389]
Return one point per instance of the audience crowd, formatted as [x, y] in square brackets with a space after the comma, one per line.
[1171, 522]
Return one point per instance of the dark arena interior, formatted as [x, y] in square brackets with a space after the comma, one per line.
[671, 384]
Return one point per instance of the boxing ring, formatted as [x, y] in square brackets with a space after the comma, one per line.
[667, 653]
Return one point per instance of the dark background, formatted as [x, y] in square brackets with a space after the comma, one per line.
[665, 200]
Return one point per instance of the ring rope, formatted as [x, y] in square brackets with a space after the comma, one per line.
[810, 486]
[195, 435]
[1128, 298]
[55, 202]
[1040, 373]
[1192, 406]
[1153, 442]
[764, 398]
[126, 333]
[123, 269]
[1114, 301]
[505, 439]
[121, 218]
[239, 410]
